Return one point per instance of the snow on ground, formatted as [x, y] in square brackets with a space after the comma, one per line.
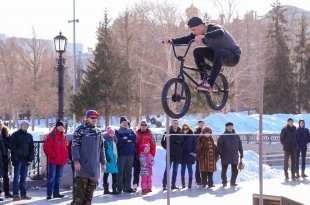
[242, 194]
[247, 178]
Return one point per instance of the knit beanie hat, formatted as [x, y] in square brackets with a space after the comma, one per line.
[143, 146]
[229, 124]
[194, 21]
[122, 119]
[110, 130]
[24, 123]
[60, 123]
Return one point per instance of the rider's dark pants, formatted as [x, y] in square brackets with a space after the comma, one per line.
[217, 57]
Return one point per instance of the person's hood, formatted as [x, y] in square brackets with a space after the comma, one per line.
[147, 130]
[300, 122]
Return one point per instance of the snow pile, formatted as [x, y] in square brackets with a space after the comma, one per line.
[250, 172]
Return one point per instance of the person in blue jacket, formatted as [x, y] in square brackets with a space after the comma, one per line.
[111, 158]
[303, 138]
[125, 149]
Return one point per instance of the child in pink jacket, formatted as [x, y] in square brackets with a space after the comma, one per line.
[146, 162]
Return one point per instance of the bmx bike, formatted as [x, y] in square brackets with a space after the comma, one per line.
[176, 93]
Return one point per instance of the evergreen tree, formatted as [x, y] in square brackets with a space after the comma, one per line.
[301, 55]
[102, 88]
[279, 79]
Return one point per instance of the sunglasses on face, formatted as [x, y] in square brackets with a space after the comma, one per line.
[186, 128]
[93, 118]
[143, 125]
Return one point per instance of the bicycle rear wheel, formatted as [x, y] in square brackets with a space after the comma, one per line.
[176, 98]
[218, 99]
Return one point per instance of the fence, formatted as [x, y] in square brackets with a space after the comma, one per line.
[276, 158]
[246, 138]
[37, 170]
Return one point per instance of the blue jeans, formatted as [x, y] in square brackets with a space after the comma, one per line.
[189, 168]
[19, 180]
[174, 173]
[53, 179]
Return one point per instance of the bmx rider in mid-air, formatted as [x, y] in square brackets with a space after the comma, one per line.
[220, 48]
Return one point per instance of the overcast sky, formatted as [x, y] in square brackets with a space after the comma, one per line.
[48, 17]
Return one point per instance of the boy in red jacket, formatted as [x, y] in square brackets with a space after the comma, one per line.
[56, 150]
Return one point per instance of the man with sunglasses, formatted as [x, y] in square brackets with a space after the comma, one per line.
[144, 136]
[87, 154]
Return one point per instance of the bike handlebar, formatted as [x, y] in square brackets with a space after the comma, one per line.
[174, 45]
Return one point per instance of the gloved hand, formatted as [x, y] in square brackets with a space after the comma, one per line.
[241, 156]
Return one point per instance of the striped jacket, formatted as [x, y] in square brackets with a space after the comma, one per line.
[146, 163]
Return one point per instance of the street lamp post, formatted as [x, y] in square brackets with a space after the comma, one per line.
[60, 42]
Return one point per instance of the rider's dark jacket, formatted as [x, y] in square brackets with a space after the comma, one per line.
[216, 38]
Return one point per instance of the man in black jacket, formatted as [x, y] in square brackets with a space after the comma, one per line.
[176, 150]
[228, 146]
[219, 47]
[4, 132]
[288, 140]
[22, 149]
[303, 138]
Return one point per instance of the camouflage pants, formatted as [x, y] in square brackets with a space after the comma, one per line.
[83, 190]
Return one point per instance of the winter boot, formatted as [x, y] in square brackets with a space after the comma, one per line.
[183, 182]
[297, 175]
[114, 189]
[303, 174]
[164, 187]
[190, 180]
[174, 187]
[106, 189]
[286, 175]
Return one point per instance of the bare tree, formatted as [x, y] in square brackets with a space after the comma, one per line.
[11, 74]
[36, 58]
[226, 9]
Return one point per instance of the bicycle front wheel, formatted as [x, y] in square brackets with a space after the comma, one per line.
[176, 98]
[218, 99]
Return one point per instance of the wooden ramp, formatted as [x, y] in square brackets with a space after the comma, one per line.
[274, 200]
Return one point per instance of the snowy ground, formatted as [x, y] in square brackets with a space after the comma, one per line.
[247, 179]
[242, 194]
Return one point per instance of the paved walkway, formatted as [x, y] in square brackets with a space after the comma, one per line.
[242, 194]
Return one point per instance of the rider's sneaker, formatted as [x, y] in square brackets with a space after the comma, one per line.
[205, 86]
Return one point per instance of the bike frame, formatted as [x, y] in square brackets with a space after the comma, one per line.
[182, 66]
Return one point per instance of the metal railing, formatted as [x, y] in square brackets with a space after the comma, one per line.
[35, 169]
[246, 138]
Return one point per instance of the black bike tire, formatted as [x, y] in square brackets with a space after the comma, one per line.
[222, 77]
[164, 101]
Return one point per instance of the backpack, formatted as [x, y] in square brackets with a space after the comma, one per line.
[53, 133]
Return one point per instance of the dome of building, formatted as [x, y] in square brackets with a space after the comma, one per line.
[192, 11]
